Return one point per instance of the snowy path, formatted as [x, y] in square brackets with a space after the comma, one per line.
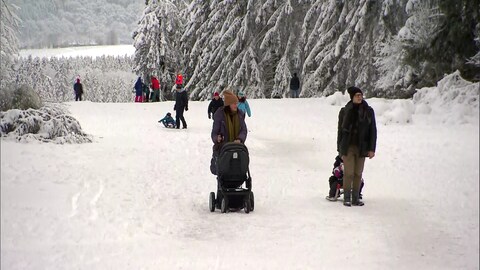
[137, 198]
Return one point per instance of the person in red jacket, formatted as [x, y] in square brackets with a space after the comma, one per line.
[156, 89]
[179, 81]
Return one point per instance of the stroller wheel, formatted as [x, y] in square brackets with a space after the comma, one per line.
[224, 206]
[252, 201]
[211, 202]
[247, 203]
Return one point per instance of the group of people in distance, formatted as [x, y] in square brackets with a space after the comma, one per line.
[145, 93]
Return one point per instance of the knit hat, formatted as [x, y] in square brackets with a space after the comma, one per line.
[352, 90]
[78, 80]
[229, 98]
[216, 94]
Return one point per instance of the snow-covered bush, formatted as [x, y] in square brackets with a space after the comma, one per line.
[6, 98]
[24, 97]
[47, 124]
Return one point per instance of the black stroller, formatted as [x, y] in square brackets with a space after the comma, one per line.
[232, 172]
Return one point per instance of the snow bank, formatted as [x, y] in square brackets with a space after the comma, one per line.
[453, 101]
[48, 124]
[337, 99]
[387, 111]
[398, 111]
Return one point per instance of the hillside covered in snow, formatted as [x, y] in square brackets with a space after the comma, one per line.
[136, 196]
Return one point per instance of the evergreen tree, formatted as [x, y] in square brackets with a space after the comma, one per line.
[157, 42]
[9, 42]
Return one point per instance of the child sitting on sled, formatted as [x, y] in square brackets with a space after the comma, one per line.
[168, 121]
[336, 181]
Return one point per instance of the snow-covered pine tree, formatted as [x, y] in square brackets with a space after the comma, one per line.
[419, 33]
[336, 46]
[240, 44]
[194, 45]
[157, 43]
[9, 42]
[281, 46]
[215, 45]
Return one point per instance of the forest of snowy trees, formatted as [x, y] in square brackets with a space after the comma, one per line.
[61, 23]
[388, 48]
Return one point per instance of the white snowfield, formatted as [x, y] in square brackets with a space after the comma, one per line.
[93, 51]
[137, 198]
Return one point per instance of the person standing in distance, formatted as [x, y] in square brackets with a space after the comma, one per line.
[181, 105]
[215, 103]
[294, 86]
[356, 139]
[78, 89]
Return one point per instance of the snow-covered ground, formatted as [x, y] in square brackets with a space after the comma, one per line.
[93, 51]
[137, 197]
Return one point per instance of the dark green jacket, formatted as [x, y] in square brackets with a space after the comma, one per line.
[367, 129]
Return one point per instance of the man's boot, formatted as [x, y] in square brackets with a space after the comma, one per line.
[346, 198]
[356, 201]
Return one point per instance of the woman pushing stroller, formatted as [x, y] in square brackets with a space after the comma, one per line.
[228, 125]
[229, 129]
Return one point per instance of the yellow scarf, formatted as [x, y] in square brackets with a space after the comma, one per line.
[233, 125]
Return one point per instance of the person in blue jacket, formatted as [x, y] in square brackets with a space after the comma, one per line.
[168, 121]
[243, 104]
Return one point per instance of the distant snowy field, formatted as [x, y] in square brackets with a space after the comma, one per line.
[94, 51]
[137, 197]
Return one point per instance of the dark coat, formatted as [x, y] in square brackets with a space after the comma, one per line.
[214, 105]
[294, 83]
[366, 129]
[139, 87]
[78, 88]
[145, 89]
[220, 127]
[181, 100]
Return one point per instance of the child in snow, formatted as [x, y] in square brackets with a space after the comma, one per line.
[168, 121]
[243, 104]
[336, 180]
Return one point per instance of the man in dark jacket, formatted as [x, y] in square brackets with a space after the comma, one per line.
[216, 103]
[78, 89]
[356, 139]
[181, 104]
[294, 86]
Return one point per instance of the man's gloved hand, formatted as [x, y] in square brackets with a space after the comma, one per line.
[209, 116]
